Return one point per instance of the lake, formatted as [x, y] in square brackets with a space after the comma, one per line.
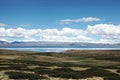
[56, 49]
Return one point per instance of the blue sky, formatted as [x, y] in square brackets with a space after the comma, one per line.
[48, 14]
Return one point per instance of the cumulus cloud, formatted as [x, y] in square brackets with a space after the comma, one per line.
[64, 35]
[84, 19]
[104, 29]
[108, 32]
[1, 24]
[99, 33]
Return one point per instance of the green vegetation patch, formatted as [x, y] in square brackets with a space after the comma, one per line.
[69, 73]
[20, 75]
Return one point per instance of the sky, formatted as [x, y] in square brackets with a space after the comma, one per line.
[96, 21]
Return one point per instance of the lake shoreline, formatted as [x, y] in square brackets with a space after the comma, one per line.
[56, 49]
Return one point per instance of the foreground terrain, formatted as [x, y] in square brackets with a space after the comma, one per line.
[72, 64]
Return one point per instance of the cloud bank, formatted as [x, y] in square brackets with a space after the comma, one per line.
[84, 19]
[107, 33]
[66, 34]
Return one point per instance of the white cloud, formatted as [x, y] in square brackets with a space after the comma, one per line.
[1, 24]
[99, 33]
[109, 33]
[84, 19]
[104, 29]
[64, 35]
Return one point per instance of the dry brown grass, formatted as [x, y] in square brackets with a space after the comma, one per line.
[93, 78]
[9, 56]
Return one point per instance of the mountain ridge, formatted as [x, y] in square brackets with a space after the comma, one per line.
[47, 43]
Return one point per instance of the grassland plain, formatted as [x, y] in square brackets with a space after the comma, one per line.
[71, 64]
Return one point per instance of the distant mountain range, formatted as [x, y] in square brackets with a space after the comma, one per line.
[49, 44]
[3, 42]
